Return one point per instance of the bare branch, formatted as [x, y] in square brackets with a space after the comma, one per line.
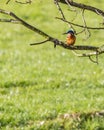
[95, 50]
[59, 8]
[94, 61]
[88, 55]
[81, 26]
[7, 1]
[37, 43]
[83, 6]
[62, 14]
[26, 2]
[10, 20]
[85, 25]
[25, 23]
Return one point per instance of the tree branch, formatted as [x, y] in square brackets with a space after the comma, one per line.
[81, 26]
[61, 12]
[26, 2]
[7, 1]
[37, 43]
[17, 20]
[83, 6]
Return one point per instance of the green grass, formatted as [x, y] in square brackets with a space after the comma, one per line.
[40, 84]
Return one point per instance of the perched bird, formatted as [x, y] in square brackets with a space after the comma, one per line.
[70, 40]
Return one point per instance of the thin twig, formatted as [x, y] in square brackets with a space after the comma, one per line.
[81, 26]
[62, 14]
[37, 43]
[85, 25]
[10, 20]
[84, 54]
[59, 8]
[69, 4]
[27, 2]
[94, 61]
[7, 1]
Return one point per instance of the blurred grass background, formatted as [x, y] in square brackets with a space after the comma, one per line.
[40, 83]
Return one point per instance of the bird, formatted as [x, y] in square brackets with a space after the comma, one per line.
[71, 38]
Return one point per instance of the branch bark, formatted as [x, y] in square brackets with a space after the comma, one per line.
[83, 6]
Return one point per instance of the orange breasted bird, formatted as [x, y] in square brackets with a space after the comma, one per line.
[70, 40]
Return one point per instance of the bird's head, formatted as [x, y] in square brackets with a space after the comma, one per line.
[69, 32]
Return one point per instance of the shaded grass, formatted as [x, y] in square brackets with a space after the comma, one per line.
[38, 84]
